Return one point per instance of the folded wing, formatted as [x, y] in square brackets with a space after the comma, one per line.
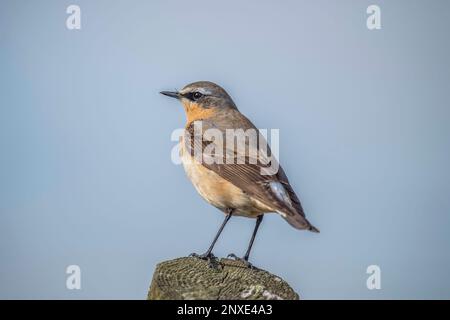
[273, 189]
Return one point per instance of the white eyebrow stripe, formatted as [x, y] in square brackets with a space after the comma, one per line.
[201, 90]
[204, 91]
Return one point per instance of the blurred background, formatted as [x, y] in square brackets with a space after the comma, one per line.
[86, 176]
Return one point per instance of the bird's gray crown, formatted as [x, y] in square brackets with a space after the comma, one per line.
[208, 93]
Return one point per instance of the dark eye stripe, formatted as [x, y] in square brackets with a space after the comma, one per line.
[193, 95]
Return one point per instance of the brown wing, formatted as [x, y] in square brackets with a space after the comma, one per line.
[273, 190]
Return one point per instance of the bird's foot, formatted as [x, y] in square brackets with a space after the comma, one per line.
[203, 256]
[243, 260]
[208, 256]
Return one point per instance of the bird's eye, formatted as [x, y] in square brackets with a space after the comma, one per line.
[196, 95]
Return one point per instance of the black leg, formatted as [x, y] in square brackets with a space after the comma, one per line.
[208, 254]
[227, 217]
[258, 222]
[247, 254]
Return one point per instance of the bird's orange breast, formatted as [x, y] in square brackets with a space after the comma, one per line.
[195, 112]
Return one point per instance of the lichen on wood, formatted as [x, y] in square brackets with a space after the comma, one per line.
[191, 278]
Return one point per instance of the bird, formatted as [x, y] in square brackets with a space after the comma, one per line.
[235, 188]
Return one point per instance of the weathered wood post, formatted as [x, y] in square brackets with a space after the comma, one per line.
[192, 278]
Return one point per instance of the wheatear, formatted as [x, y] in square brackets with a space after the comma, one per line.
[234, 188]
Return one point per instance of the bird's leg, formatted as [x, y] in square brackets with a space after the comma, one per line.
[258, 222]
[247, 254]
[208, 254]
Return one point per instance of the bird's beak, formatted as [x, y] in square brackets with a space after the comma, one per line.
[172, 94]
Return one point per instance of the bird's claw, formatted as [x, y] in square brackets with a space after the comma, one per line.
[242, 260]
[203, 256]
[212, 259]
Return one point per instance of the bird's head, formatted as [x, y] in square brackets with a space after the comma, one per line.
[201, 99]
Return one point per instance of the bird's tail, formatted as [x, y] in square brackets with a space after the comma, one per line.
[313, 229]
[299, 222]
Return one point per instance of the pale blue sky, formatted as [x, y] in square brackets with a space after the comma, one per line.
[85, 170]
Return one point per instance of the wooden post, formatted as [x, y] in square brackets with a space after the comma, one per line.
[192, 278]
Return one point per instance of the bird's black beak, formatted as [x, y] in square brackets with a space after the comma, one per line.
[172, 94]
